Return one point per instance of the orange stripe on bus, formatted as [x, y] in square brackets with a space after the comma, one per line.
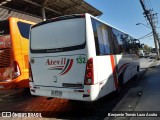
[114, 71]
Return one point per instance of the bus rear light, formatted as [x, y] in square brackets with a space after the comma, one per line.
[89, 81]
[89, 91]
[16, 70]
[89, 75]
[30, 73]
[90, 65]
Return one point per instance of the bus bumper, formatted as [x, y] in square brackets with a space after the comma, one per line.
[71, 94]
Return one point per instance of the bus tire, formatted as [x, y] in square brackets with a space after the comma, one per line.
[138, 69]
[120, 83]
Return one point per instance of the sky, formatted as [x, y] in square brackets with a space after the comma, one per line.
[125, 14]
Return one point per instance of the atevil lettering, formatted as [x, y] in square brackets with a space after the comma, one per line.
[63, 65]
[56, 62]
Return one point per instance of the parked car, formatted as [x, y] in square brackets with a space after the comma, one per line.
[141, 53]
[146, 55]
[153, 55]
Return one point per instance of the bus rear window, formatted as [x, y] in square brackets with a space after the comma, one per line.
[64, 35]
[24, 29]
[4, 27]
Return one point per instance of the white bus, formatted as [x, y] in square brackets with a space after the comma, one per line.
[79, 57]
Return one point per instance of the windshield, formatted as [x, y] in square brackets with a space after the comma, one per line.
[58, 34]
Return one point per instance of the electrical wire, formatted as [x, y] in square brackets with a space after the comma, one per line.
[150, 4]
[145, 35]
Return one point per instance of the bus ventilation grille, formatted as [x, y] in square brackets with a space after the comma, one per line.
[5, 57]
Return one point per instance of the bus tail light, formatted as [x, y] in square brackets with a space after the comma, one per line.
[16, 70]
[30, 73]
[89, 75]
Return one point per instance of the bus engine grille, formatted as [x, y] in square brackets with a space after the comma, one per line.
[5, 56]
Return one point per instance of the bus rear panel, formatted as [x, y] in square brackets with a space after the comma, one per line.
[59, 60]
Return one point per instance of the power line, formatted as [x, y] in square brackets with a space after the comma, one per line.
[150, 4]
[145, 36]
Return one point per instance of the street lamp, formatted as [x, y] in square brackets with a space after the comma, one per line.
[143, 24]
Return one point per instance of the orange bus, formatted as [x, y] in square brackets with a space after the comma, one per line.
[14, 36]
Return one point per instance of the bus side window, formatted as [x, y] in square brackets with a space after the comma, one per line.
[116, 38]
[106, 40]
[95, 37]
[101, 38]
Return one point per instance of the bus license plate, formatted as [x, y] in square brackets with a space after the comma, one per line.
[56, 93]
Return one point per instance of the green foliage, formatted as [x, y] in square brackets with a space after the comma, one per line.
[146, 48]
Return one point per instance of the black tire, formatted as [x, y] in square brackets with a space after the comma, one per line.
[120, 83]
[138, 68]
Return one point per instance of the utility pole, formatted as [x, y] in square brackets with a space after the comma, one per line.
[150, 18]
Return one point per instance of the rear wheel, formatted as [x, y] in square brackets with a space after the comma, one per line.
[138, 69]
[120, 83]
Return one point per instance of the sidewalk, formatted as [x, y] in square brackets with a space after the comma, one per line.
[150, 99]
[144, 97]
[145, 63]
